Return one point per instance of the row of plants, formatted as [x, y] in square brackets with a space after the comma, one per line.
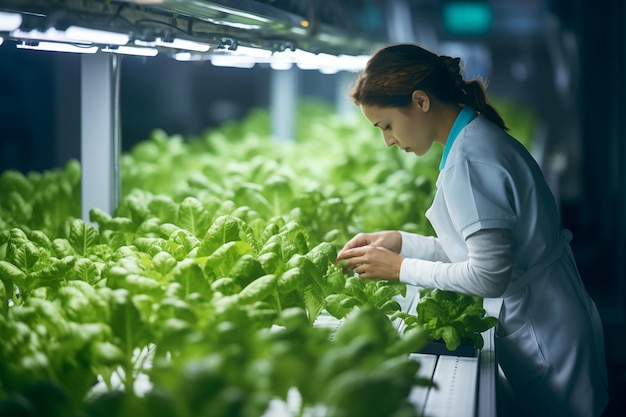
[209, 276]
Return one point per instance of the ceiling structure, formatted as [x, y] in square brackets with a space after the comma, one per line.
[221, 25]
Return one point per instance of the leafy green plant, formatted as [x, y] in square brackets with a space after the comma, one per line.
[213, 269]
[451, 317]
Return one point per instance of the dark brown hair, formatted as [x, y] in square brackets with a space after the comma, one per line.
[395, 71]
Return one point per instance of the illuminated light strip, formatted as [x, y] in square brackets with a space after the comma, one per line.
[251, 52]
[132, 50]
[190, 45]
[188, 56]
[74, 34]
[325, 63]
[9, 21]
[49, 35]
[353, 63]
[59, 47]
[236, 61]
[176, 44]
[96, 36]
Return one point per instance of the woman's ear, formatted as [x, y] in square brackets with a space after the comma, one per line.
[421, 99]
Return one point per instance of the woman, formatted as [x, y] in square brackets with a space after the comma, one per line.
[497, 226]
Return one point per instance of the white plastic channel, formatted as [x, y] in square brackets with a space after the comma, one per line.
[419, 394]
[455, 396]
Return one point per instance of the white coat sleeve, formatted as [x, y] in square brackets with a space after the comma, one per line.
[422, 247]
[486, 273]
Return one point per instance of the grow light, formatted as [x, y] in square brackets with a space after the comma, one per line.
[235, 61]
[58, 47]
[96, 36]
[176, 44]
[132, 50]
[51, 34]
[10, 21]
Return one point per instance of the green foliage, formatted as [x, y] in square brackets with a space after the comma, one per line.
[213, 268]
[45, 201]
[453, 317]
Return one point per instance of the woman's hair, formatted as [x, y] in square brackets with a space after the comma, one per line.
[395, 71]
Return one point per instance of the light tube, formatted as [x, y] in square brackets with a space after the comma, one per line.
[325, 63]
[188, 45]
[96, 36]
[50, 34]
[252, 52]
[1, 40]
[132, 50]
[74, 34]
[236, 61]
[59, 47]
[9, 21]
[353, 63]
[242, 57]
[177, 44]
[303, 59]
[316, 61]
[188, 56]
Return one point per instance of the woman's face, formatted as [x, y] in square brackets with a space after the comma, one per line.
[409, 128]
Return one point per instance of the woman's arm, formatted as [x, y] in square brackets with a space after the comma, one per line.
[422, 247]
[486, 273]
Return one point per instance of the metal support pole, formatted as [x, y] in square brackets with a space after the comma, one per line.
[100, 132]
[343, 104]
[283, 103]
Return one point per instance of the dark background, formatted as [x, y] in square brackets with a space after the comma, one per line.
[582, 128]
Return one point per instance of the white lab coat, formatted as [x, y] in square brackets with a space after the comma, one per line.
[549, 339]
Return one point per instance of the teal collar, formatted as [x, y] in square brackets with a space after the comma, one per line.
[466, 115]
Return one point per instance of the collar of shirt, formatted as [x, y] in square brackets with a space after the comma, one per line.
[466, 115]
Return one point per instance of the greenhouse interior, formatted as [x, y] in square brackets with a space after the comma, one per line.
[178, 177]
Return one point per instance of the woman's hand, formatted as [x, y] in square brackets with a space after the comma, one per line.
[372, 262]
[373, 255]
[389, 239]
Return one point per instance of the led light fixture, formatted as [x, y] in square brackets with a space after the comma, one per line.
[74, 35]
[9, 21]
[132, 50]
[236, 61]
[242, 57]
[303, 59]
[78, 33]
[176, 44]
[50, 34]
[58, 47]
[188, 45]
[352, 63]
[189, 56]
[252, 52]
